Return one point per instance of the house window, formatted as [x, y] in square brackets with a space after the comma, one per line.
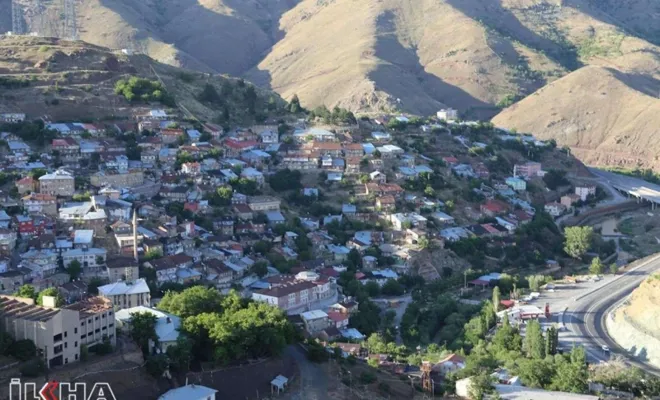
[75, 330]
[75, 344]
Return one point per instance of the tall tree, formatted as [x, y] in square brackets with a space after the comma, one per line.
[496, 299]
[551, 340]
[577, 240]
[74, 269]
[533, 345]
[143, 329]
[192, 301]
[597, 267]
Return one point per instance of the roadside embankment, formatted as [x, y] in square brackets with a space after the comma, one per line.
[635, 323]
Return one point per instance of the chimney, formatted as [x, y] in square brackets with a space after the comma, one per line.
[169, 320]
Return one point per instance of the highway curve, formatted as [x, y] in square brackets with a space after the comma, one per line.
[586, 318]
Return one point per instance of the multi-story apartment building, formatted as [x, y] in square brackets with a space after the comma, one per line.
[59, 183]
[264, 203]
[43, 263]
[290, 296]
[96, 321]
[295, 295]
[127, 294]
[585, 191]
[527, 170]
[122, 269]
[68, 149]
[26, 185]
[91, 260]
[58, 332]
[40, 203]
[7, 241]
[117, 179]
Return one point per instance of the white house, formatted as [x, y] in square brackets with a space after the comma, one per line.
[451, 363]
[555, 209]
[585, 191]
[190, 392]
[516, 184]
[448, 114]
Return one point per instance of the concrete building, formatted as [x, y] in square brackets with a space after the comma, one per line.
[448, 114]
[96, 320]
[516, 184]
[127, 294]
[585, 191]
[527, 170]
[58, 332]
[122, 269]
[289, 296]
[59, 183]
[91, 259]
[108, 178]
[315, 321]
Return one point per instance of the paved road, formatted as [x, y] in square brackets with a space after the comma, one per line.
[404, 302]
[586, 317]
[314, 378]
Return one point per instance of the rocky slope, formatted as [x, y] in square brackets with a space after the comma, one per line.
[636, 325]
[64, 79]
[366, 55]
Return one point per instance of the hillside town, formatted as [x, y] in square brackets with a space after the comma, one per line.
[344, 228]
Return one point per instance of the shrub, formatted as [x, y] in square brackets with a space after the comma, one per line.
[367, 378]
[23, 349]
[33, 368]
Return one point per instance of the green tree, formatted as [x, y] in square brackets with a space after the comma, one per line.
[23, 349]
[74, 269]
[533, 345]
[180, 354]
[571, 372]
[294, 105]
[260, 268]
[596, 267]
[372, 288]
[27, 292]
[613, 268]
[496, 299]
[551, 341]
[392, 287]
[192, 301]
[479, 386]
[51, 291]
[423, 242]
[143, 329]
[577, 240]
[156, 365]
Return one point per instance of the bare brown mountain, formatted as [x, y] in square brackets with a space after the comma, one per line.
[412, 55]
[65, 79]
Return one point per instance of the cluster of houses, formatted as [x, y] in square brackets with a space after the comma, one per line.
[108, 205]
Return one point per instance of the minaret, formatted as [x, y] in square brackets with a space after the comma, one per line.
[135, 236]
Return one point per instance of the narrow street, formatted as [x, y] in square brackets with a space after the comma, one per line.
[313, 377]
[404, 302]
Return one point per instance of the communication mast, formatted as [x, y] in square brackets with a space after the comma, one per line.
[17, 27]
[70, 23]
